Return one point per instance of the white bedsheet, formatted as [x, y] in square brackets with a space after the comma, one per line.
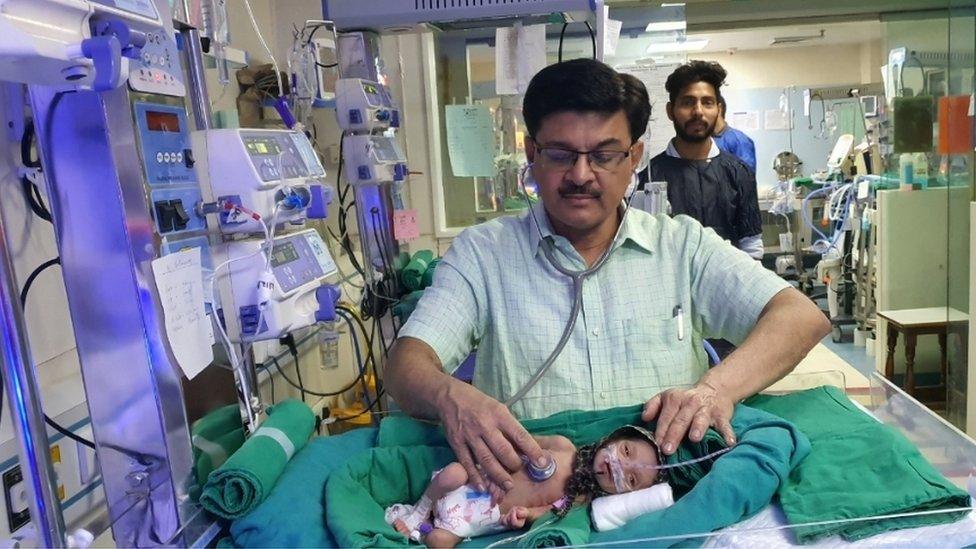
[744, 534]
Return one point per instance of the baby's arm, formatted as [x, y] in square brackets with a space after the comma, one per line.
[613, 511]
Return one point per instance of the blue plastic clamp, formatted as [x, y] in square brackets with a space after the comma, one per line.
[328, 297]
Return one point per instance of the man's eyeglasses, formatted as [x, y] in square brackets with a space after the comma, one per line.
[564, 159]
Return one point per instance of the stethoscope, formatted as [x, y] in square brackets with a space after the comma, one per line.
[577, 276]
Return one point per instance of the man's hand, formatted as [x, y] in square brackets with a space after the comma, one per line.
[487, 440]
[689, 411]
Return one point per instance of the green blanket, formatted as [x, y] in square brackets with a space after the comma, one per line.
[215, 436]
[294, 514]
[247, 477]
[407, 452]
[858, 468]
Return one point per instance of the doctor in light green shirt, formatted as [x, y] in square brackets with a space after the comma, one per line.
[667, 284]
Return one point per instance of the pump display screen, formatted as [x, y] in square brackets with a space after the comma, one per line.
[141, 7]
[282, 254]
[157, 121]
[261, 146]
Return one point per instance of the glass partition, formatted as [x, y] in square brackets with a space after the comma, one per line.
[925, 225]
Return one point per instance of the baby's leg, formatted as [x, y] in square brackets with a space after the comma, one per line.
[447, 480]
[439, 537]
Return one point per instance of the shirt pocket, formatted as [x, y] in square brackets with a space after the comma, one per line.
[660, 352]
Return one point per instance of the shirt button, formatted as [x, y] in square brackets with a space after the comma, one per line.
[596, 331]
[603, 396]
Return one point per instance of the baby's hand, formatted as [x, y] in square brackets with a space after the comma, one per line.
[515, 518]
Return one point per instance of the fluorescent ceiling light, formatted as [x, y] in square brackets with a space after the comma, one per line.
[674, 47]
[666, 26]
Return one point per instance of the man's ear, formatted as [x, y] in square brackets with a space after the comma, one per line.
[670, 108]
[636, 154]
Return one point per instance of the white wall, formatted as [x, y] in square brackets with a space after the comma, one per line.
[808, 66]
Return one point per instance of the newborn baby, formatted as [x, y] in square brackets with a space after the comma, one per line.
[624, 461]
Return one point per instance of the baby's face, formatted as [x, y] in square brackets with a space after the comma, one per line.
[636, 458]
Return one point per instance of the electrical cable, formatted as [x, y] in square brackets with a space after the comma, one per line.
[23, 303]
[592, 37]
[369, 345]
[562, 35]
[351, 385]
[359, 356]
[289, 341]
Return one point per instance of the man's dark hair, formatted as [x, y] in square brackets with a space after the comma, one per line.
[585, 85]
[693, 72]
[722, 105]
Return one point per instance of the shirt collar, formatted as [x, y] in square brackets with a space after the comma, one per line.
[673, 152]
[629, 232]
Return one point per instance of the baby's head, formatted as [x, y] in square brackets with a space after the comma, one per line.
[627, 460]
[624, 461]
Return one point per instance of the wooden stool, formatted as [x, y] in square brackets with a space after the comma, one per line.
[939, 321]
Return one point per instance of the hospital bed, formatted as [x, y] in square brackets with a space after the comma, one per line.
[293, 513]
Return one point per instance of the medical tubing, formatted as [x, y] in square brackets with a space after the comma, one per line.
[780, 527]
[706, 457]
[254, 23]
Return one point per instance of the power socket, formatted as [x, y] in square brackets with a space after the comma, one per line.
[15, 496]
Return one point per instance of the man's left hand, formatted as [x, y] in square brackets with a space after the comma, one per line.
[690, 412]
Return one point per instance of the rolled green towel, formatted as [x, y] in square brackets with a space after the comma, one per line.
[248, 476]
[569, 531]
[428, 278]
[413, 274]
[215, 436]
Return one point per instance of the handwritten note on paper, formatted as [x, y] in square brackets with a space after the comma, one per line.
[470, 140]
[179, 281]
[405, 225]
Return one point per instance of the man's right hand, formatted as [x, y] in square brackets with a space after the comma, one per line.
[487, 439]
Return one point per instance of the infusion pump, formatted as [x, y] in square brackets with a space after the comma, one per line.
[299, 265]
[272, 173]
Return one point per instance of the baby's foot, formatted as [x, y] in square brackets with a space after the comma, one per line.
[404, 518]
[402, 527]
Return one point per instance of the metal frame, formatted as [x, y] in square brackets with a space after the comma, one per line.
[132, 382]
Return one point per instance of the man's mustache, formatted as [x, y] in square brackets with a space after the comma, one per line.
[573, 190]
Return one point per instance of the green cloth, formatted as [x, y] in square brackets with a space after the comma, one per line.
[215, 436]
[301, 491]
[571, 530]
[248, 476]
[407, 453]
[858, 468]
[413, 274]
[407, 304]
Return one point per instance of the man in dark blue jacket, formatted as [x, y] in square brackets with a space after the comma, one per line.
[732, 140]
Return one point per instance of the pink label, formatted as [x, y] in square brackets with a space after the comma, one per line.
[405, 225]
